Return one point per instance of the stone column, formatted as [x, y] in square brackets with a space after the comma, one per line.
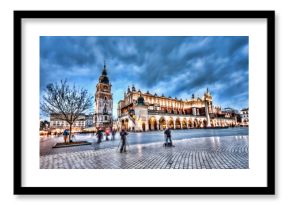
[157, 121]
[207, 114]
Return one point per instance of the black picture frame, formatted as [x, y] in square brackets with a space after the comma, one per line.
[268, 190]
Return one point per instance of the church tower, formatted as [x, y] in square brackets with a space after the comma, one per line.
[103, 102]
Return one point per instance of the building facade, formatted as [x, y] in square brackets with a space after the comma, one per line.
[245, 117]
[58, 124]
[103, 102]
[89, 120]
[145, 111]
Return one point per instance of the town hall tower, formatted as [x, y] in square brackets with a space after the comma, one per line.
[103, 102]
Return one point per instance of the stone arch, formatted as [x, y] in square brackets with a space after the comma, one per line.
[189, 123]
[223, 123]
[200, 124]
[125, 124]
[170, 123]
[177, 123]
[162, 123]
[152, 122]
[212, 123]
[122, 124]
[204, 123]
[184, 123]
[195, 123]
[143, 127]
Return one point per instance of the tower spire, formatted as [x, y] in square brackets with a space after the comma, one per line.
[104, 72]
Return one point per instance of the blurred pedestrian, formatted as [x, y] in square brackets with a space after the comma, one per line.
[99, 136]
[113, 134]
[168, 140]
[65, 135]
[123, 135]
[107, 133]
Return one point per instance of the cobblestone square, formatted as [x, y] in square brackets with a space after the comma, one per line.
[227, 152]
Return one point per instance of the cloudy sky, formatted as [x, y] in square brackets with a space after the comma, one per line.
[173, 66]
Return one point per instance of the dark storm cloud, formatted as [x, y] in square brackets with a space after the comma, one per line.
[175, 66]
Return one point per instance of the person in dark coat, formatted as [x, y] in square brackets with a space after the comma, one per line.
[123, 135]
[99, 136]
[168, 140]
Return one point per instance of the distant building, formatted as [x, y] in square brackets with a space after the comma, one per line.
[229, 113]
[89, 120]
[145, 111]
[103, 102]
[43, 125]
[244, 117]
[116, 124]
[58, 123]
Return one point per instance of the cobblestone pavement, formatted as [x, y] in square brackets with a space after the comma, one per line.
[197, 153]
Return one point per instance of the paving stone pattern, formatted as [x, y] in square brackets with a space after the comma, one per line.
[197, 153]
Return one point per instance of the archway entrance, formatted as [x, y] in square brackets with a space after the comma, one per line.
[204, 123]
[195, 123]
[152, 123]
[189, 123]
[143, 127]
[177, 123]
[200, 123]
[184, 124]
[162, 123]
[124, 124]
[212, 123]
[171, 123]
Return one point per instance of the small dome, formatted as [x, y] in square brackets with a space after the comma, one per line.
[140, 101]
[104, 78]
[133, 88]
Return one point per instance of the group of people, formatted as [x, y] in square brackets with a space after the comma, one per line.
[123, 137]
[100, 135]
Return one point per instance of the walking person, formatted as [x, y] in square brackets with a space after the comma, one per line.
[168, 140]
[113, 134]
[123, 135]
[99, 136]
[107, 133]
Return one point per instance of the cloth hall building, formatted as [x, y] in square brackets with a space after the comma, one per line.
[145, 111]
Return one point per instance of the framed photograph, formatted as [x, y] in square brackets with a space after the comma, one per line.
[144, 102]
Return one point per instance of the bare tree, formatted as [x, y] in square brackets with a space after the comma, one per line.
[68, 102]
